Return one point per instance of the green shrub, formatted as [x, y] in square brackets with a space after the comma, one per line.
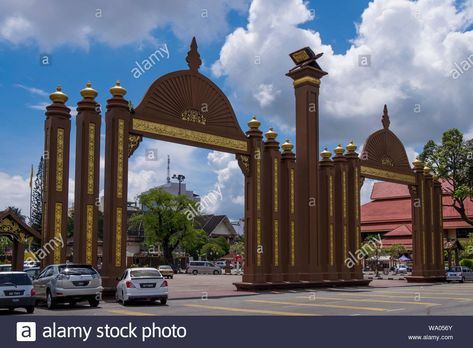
[467, 263]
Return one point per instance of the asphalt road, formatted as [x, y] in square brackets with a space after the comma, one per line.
[379, 299]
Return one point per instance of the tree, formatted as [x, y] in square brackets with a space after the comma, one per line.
[452, 161]
[238, 248]
[212, 250]
[17, 212]
[193, 242]
[396, 251]
[373, 248]
[37, 199]
[164, 219]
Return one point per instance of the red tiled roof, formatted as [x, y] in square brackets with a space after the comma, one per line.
[389, 190]
[390, 209]
[401, 231]
[406, 242]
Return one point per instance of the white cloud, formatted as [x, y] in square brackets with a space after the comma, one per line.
[14, 191]
[32, 90]
[413, 47]
[50, 23]
[365, 192]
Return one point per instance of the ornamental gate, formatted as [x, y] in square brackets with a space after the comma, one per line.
[302, 215]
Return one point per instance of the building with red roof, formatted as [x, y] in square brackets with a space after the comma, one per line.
[389, 214]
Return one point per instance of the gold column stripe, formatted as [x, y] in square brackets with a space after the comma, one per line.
[422, 219]
[387, 175]
[88, 235]
[60, 160]
[91, 159]
[57, 231]
[331, 233]
[432, 229]
[306, 79]
[120, 154]
[276, 185]
[187, 134]
[258, 241]
[118, 237]
[258, 184]
[292, 191]
[276, 243]
[331, 245]
[357, 208]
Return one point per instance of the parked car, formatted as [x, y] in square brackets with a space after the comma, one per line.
[166, 271]
[401, 270]
[459, 273]
[141, 284]
[196, 267]
[30, 263]
[32, 272]
[16, 291]
[5, 268]
[70, 283]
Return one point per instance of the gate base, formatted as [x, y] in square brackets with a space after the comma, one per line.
[245, 286]
[426, 279]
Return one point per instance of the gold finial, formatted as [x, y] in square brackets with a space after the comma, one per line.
[427, 170]
[339, 150]
[88, 92]
[254, 123]
[118, 90]
[270, 134]
[418, 163]
[58, 96]
[435, 178]
[325, 154]
[351, 147]
[287, 146]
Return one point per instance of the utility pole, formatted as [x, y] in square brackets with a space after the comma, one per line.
[168, 178]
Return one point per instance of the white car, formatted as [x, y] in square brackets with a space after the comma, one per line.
[459, 273]
[16, 290]
[146, 284]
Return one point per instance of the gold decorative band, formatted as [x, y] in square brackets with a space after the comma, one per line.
[57, 231]
[293, 244]
[307, 79]
[91, 159]
[187, 134]
[276, 243]
[118, 237]
[387, 175]
[276, 185]
[88, 235]
[60, 159]
[120, 154]
[258, 242]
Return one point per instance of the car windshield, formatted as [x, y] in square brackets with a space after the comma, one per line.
[454, 269]
[77, 270]
[165, 267]
[14, 279]
[145, 273]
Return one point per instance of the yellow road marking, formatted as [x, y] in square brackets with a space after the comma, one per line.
[438, 292]
[257, 311]
[127, 312]
[462, 299]
[368, 300]
[377, 309]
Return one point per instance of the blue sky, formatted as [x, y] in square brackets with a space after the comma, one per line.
[111, 45]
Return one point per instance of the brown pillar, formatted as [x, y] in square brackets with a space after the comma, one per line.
[86, 193]
[327, 216]
[341, 213]
[418, 218]
[288, 224]
[270, 196]
[430, 246]
[56, 169]
[116, 185]
[18, 255]
[353, 203]
[438, 230]
[306, 86]
[253, 271]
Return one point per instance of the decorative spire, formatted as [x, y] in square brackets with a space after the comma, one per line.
[351, 147]
[271, 134]
[287, 146]
[58, 96]
[418, 163]
[254, 123]
[193, 57]
[326, 154]
[88, 91]
[339, 150]
[385, 118]
[117, 90]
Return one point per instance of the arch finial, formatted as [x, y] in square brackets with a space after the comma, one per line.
[385, 119]
[193, 57]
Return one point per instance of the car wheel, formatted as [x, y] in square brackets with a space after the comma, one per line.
[216, 272]
[11, 309]
[93, 302]
[50, 302]
[164, 301]
[30, 309]
[194, 272]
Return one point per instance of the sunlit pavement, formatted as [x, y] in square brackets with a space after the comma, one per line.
[384, 297]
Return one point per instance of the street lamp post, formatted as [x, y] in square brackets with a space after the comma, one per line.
[180, 178]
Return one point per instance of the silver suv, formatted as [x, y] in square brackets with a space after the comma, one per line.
[196, 267]
[68, 283]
